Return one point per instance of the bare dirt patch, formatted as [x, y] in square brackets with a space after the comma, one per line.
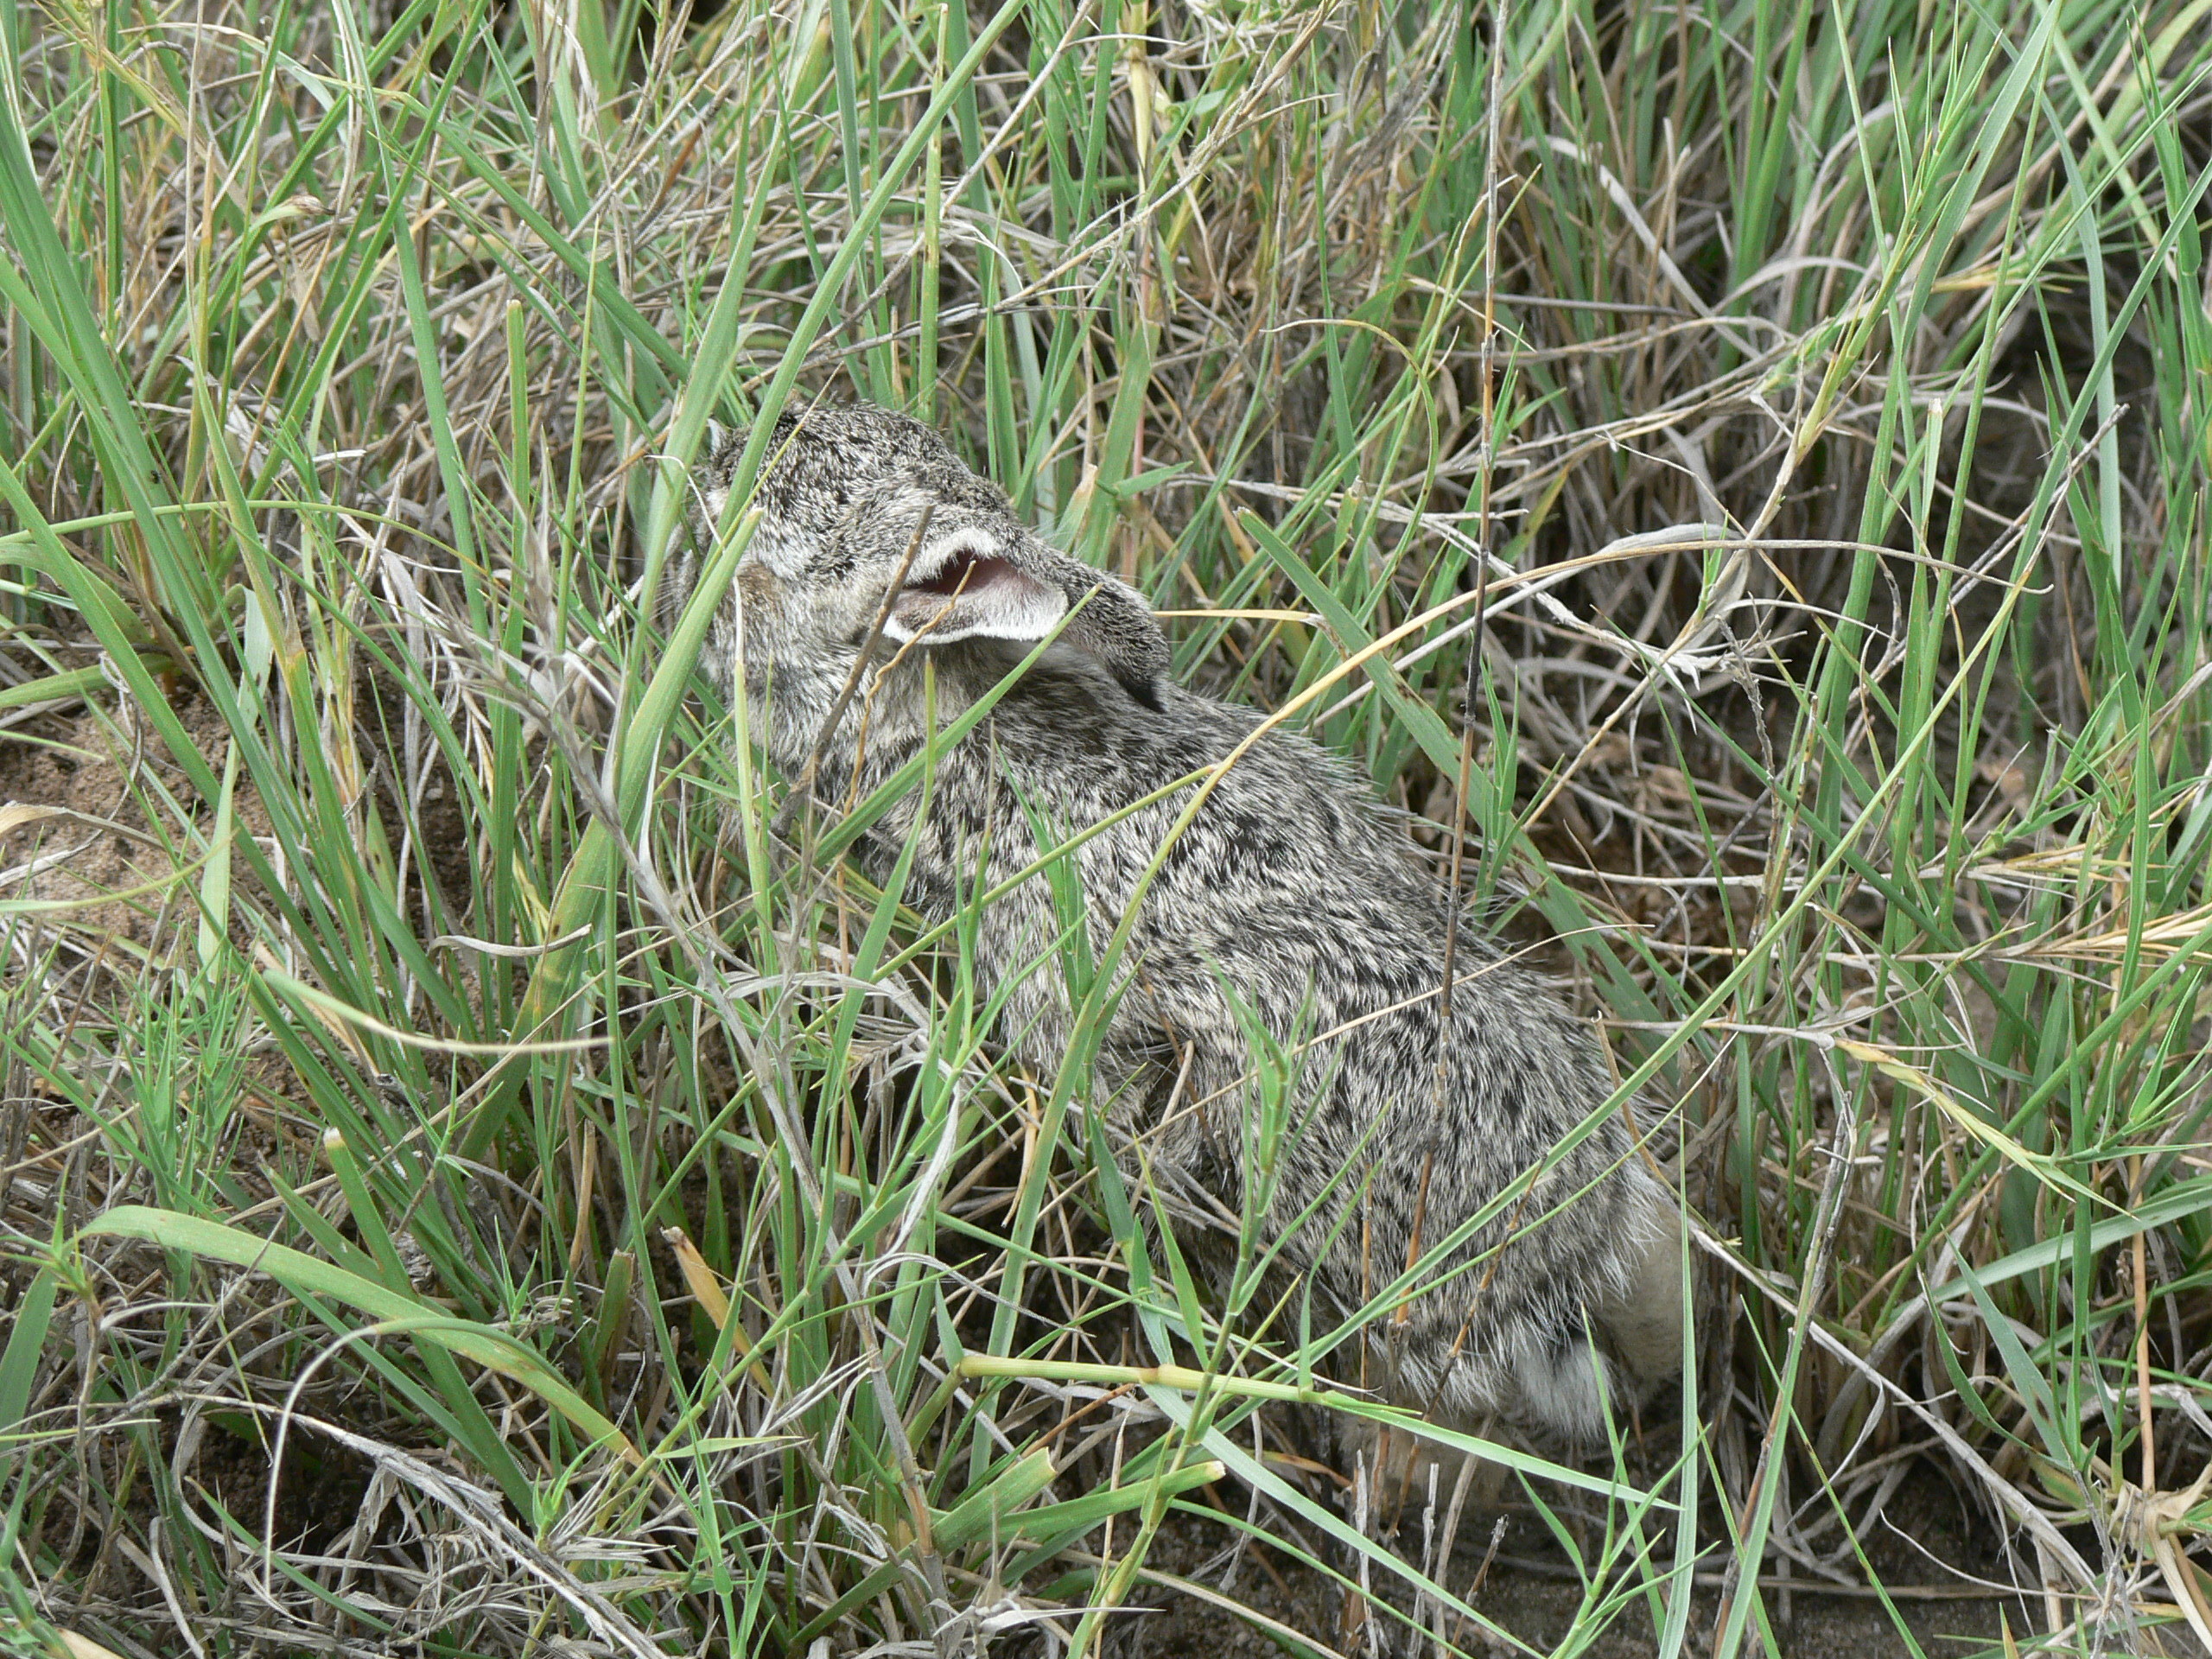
[74, 830]
[1936, 1561]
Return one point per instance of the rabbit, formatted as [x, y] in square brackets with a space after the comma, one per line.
[1294, 903]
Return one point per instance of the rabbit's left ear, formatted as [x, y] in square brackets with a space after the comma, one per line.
[972, 584]
[965, 587]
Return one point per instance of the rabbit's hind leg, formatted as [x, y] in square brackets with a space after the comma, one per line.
[1407, 1494]
[1643, 1325]
[1410, 1479]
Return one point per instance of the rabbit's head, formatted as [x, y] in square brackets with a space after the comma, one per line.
[844, 495]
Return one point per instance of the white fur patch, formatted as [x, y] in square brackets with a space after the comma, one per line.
[1564, 1389]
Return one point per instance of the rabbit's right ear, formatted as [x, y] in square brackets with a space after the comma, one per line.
[1112, 625]
[1115, 626]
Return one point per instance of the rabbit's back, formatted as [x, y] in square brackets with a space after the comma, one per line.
[1294, 902]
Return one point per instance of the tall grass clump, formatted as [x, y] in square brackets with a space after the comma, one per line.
[483, 1175]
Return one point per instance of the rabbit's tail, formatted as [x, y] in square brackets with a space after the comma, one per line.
[1565, 1384]
[1535, 1367]
[1602, 1331]
[1622, 1335]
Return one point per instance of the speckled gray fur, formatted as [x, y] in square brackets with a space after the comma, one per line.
[1293, 892]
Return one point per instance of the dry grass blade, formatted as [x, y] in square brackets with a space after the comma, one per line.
[1733, 475]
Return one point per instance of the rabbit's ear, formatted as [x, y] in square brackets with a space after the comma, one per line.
[1111, 623]
[965, 587]
[975, 584]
